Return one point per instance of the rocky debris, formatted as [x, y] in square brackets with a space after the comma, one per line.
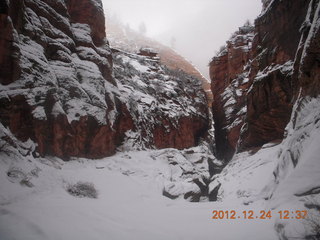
[189, 176]
[256, 77]
[213, 193]
[17, 175]
[58, 89]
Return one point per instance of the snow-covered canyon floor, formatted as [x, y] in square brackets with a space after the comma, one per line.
[35, 199]
[34, 202]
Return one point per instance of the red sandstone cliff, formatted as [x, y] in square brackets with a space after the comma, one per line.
[59, 90]
[229, 72]
[257, 77]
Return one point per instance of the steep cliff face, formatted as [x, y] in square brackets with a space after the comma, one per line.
[229, 72]
[307, 59]
[270, 71]
[57, 94]
[282, 102]
[58, 89]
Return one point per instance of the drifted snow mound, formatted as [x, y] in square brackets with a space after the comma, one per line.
[245, 175]
[298, 171]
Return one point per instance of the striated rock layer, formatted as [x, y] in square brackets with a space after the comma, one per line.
[257, 77]
[58, 86]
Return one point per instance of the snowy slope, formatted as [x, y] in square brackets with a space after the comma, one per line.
[35, 204]
[246, 174]
[283, 176]
[130, 204]
[296, 182]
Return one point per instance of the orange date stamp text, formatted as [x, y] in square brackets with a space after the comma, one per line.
[263, 214]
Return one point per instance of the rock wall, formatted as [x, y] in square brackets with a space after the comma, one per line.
[168, 106]
[270, 78]
[58, 86]
[229, 72]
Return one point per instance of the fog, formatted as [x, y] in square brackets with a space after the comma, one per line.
[195, 28]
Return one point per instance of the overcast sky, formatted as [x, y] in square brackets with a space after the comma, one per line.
[200, 27]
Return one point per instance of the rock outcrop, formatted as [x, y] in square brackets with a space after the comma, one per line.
[167, 106]
[61, 73]
[58, 87]
[256, 79]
